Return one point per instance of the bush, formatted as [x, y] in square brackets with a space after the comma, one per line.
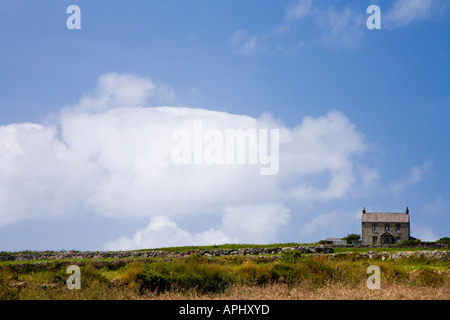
[443, 240]
[186, 275]
[129, 275]
[291, 256]
[285, 272]
[410, 242]
[251, 273]
[352, 237]
[155, 280]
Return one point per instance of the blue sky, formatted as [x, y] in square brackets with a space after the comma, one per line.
[373, 105]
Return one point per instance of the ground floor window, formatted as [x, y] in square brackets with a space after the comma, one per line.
[374, 240]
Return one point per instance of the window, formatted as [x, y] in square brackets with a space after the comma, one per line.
[386, 227]
[374, 240]
[374, 227]
[397, 227]
[397, 239]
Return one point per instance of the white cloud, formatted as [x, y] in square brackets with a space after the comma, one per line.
[244, 43]
[36, 177]
[254, 223]
[299, 10]
[317, 225]
[162, 232]
[330, 225]
[343, 27]
[335, 24]
[415, 176]
[322, 145]
[369, 177]
[108, 155]
[339, 26]
[123, 90]
[405, 12]
[424, 233]
[240, 224]
[437, 208]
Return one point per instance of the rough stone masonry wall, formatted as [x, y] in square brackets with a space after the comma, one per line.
[433, 254]
[157, 253]
[420, 245]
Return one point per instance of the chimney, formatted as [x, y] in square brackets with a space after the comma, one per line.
[407, 210]
[364, 209]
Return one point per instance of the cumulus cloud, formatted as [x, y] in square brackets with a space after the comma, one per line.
[162, 232]
[110, 155]
[37, 178]
[122, 90]
[240, 224]
[330, 225]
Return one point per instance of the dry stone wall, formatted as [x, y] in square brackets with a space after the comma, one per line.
[158, 253]
[432, 254]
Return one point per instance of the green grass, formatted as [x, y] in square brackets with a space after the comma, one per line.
[223, 246]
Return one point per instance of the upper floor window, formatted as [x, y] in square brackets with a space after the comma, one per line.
[374, 227]
[397, 227]
[386, 227]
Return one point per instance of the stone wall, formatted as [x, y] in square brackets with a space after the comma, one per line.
[222, 252]
[429, 254]
[157, 254]
[423, 245]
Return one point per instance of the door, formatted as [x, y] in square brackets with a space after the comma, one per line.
[387, 239]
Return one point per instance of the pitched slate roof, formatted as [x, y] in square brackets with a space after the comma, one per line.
[385, 217]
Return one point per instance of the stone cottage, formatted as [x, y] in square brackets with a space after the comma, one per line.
[384, 228]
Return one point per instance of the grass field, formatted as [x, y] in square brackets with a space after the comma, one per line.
[286, 276]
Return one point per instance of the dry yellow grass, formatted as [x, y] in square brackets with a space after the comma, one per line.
[305, 292]
[275, 291]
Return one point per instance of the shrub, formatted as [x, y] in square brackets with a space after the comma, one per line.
[291, 256]
[352, 237]
[251, 273]
[443, 240]
[155, 280]
[285, 272]
[129, 275]
[186, 275]
[410, 242]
